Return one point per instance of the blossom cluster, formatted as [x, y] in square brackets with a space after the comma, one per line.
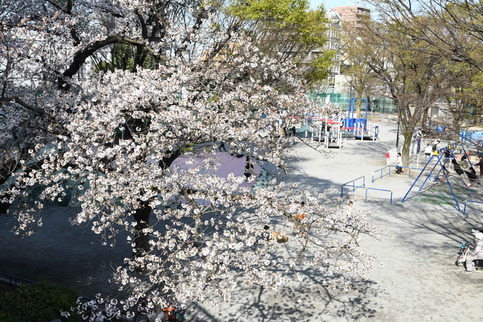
[106, 141]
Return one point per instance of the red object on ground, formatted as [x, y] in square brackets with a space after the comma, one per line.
[170, 314]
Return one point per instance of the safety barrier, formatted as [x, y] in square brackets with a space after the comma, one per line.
[374, 177]
[354, 187]
[352, 184]
[381, 174]
[384, 190]
[473, 201]
[14, 280]
[412, 168]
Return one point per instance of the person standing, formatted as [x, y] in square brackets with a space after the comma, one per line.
[436, 147]
[249, 169]
[222, 146]
[427, 150]
[419, 136]
[399, 164]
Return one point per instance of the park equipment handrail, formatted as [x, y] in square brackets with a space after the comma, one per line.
[381, 172]
[352, 184]
[14, 280]
[384, 190]
[389, 166]
[354, 187]
[473, 201]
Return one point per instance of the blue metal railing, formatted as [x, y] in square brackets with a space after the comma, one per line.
[389, 167]
[385, 190]
[353, 185]
[381, 173]
[412, 168]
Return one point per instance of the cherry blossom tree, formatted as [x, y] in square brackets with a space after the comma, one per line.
[109, 137]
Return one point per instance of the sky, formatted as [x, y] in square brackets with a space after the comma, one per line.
[334, 3]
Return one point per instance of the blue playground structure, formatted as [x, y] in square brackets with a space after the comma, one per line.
[350, 121]
[357, 125]
[332, 130]
[469, 136]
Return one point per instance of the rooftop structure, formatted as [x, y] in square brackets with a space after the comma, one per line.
[352, 14]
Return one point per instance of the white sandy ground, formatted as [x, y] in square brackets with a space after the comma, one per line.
[413, 278]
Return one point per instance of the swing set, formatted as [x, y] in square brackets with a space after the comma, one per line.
[436, 171]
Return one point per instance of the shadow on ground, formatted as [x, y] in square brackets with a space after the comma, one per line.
[310, 300]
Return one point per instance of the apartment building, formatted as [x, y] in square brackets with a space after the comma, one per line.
[334, 30]
[352, 15]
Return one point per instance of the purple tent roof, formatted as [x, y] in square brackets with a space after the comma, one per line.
[228, 164]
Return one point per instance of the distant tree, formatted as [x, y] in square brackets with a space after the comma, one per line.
[450, 31]
[287, 30]
[413, 79]
[442, 33]
[126, 57]
[354, 65]
[462, 90]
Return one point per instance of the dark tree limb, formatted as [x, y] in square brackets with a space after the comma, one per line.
[81, 56]
[169, 159]
[141, 240]
[18, 101]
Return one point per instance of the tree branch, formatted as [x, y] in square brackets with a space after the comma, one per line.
[23, 104]
[81, 56]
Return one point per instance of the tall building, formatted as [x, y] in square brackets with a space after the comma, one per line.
[351, 17]
[352, 14]
[333, 43]
[339, 18]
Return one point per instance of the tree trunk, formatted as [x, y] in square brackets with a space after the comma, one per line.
[358, 106]
[141, 239]
[141, 215]
[425, 120]
[4, 206]
[406, 147]
[456, 125]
